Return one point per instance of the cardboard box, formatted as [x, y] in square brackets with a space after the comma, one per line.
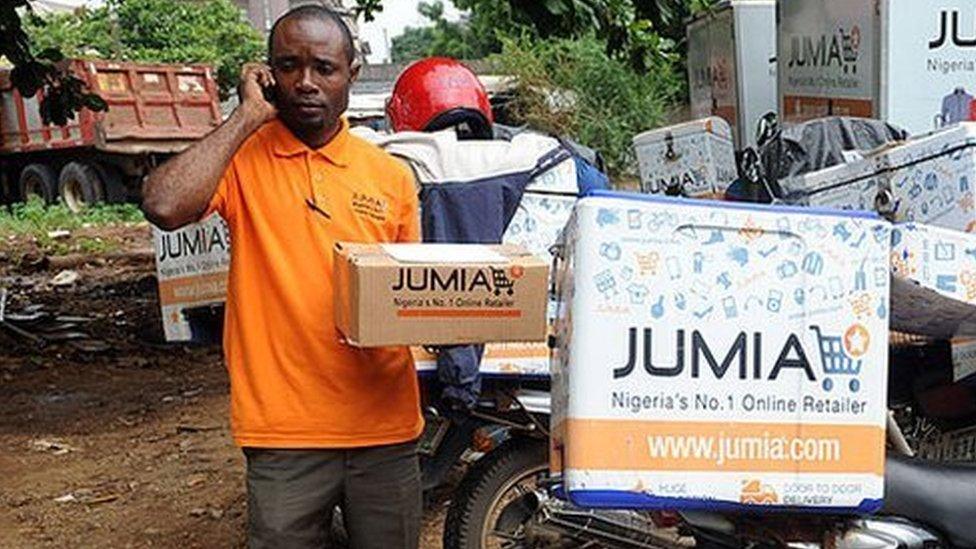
[439, 294]
[697, 156]
[191, 267]
[930, 179]
[710, 353]
[544, 209]
[933, 281]
[536, 225]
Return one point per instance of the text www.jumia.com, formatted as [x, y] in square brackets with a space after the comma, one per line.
[730, 450]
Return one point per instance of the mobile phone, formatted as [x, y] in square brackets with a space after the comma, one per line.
[269, 93]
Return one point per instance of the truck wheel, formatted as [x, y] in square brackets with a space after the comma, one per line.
[80, 186]
[113, 182]
[39, 180]
[488, 509]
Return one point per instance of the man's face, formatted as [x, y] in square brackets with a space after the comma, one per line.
[312, 74]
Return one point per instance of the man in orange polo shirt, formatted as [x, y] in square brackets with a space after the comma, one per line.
[320, 422]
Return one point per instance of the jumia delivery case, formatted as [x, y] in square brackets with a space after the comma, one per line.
[697, 158]
[929, 179]
[711, 354]
[933, 282]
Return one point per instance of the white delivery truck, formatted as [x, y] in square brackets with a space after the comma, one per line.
[731, 64]
[909, 62]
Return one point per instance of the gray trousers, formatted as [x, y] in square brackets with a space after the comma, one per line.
[291, 495]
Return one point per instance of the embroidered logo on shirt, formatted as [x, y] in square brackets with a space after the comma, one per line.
[369, 206]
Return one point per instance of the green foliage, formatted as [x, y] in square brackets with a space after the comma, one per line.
[413, 44]
[167, 31]
[85, 33]
[637, 31]
[573, 87]
[64, 94]
[368, 9]
[474, 38]
[36, 219]
[214, 31]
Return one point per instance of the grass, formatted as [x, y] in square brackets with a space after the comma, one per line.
[36, 220]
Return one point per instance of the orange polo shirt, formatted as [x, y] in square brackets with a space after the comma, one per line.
[294, 384]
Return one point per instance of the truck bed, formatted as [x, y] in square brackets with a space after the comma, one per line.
[152, 108]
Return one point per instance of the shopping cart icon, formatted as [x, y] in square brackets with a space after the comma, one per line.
[850, 46]
[502, 282]
[837, 361]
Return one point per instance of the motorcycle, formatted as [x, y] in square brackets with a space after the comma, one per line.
[509, 498]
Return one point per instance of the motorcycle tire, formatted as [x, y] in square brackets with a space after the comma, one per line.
[480, 492]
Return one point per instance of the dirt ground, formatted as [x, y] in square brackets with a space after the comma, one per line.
[123, 447]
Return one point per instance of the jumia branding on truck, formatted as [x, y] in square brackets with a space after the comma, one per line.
[956, 33]
[838, 49]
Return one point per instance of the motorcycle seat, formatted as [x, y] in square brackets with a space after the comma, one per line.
[938, 494]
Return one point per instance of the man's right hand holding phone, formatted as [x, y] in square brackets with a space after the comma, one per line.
[256, 78]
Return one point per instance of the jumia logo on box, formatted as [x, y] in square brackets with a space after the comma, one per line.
[680, 181]
[429, 279]
[954, 36]
[791, 356]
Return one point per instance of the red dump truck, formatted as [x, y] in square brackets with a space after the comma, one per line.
[155, 110]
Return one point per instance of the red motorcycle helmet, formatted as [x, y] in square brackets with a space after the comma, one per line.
[437, 93]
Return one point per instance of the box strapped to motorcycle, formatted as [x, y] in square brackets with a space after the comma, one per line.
[928, 179]
[441, 161]
[695, 159]
[721, 356]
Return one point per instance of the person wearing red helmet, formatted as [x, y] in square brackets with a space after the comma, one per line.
[438, 93]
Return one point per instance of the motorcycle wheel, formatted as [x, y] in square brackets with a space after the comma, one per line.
[488, 510]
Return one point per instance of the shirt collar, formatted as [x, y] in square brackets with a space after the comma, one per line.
[335, 151]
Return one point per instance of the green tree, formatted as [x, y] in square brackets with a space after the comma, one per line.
[638, 31]
[166, 31]
[64, 94]
[413, 44]
[85, 33]
[473, 38]
[573, 87]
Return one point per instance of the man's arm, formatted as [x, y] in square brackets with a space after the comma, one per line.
[179, 191]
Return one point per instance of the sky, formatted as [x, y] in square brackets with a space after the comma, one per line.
[62, 5]
[396, 16]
